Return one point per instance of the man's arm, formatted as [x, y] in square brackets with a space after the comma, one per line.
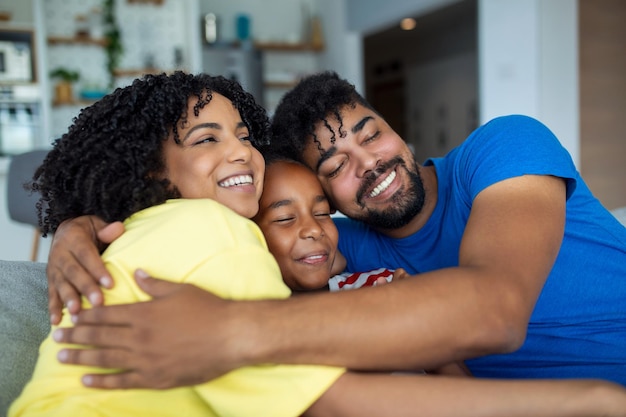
[511, 240]
[481, 307]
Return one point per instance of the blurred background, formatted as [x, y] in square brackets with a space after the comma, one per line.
[435, 69]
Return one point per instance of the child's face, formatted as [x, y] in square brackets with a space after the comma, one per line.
[294, 216]
[215, 159]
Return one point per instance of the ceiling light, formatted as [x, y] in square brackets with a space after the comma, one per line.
[408, 23]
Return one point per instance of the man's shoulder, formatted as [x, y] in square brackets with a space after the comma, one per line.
[503, 131]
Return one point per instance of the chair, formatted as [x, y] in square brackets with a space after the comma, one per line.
[21, 202]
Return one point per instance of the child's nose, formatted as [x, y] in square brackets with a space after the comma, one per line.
[311, 230]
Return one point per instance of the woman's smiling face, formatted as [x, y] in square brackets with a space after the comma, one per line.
[215, 158]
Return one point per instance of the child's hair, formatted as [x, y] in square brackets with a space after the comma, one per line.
[272, 155]
[108, 162]
[314, 99]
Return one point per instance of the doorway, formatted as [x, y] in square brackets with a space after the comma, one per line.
[424, 82]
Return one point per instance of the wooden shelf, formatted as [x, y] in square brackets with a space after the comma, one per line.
[288, 47]
[155, 2]
[76, 40]
[137, 72]
[280, 84]
[79, 102]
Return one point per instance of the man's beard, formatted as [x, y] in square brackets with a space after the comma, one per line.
[408, 202]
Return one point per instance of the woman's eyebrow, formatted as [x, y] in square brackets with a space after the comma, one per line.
[210, 125]
[216, 126]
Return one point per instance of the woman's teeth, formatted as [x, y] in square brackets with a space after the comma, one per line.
[239, 180]
[383, 185]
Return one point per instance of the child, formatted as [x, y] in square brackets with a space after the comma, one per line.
[173, 155]
[295, 218]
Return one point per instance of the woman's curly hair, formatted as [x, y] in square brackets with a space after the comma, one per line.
[316, 98]
[108, 162]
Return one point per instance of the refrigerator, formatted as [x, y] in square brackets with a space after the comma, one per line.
[244, 65]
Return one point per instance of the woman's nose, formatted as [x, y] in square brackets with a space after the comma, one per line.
[239, 150]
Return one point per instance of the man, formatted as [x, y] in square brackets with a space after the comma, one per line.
[519, 266]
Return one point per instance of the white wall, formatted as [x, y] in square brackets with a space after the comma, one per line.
[343, 49]
[558, 84]
[528, 63]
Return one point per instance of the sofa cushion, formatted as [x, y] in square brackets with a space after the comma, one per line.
[24, 323]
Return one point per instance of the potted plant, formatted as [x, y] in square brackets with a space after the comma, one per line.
[114, 48]
[63, 88]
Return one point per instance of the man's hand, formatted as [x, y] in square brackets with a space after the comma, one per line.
[74, 265]
[163, 343]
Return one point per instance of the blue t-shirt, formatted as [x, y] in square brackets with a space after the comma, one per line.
[578, 326]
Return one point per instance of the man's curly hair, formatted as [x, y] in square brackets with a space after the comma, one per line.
[318, 97]
[107, 164]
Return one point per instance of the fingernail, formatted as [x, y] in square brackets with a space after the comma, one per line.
[57, 335]
[94, 298]
[106, 282]
[140, 273]
[74, 318]
[87, 380]
[54, 318]
[70, 304]
[62, 356]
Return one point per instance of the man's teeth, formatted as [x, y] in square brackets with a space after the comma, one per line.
[383, 185]
[239, 180]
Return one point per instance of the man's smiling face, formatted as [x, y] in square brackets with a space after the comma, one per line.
[366, 169]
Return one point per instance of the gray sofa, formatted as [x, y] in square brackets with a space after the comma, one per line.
[24, 324]
[24, 321]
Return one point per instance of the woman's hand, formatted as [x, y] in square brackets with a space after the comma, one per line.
[167, 342]
[74, 264]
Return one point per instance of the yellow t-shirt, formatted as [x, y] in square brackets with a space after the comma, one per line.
[206, 244]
